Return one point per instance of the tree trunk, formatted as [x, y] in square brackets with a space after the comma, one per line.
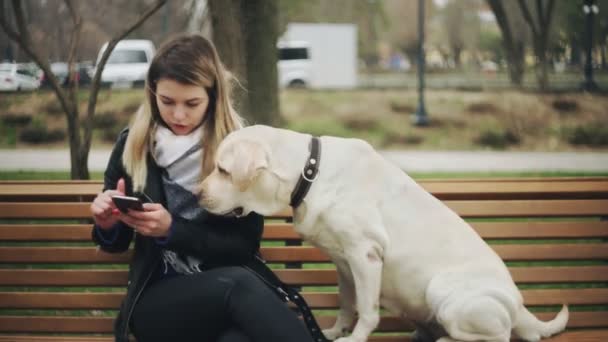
[260, 20]
[515, 64]
[228, 39]
[79, 166]
[603, 56]
[457, 52]
[542, 72]
[540, 27]
[514, 48]
[575, 53]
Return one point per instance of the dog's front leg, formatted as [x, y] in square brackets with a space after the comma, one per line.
[346, 299]
[365, 261]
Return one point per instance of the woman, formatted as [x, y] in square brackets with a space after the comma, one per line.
[185, 282]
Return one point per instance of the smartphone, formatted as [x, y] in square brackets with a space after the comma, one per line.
[124, 203]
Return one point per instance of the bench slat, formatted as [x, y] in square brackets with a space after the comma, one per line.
[62, 324]
[591, 187]
[45, 232]
[87, 255]
[305, 277]
[285, 231]
[541, 230]
[41, 338]
[467, 209]
[112, 300]
[528, 208]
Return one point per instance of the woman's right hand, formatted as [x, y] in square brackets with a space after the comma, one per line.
[103, 209]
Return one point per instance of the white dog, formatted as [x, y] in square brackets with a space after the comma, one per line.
[393, 243]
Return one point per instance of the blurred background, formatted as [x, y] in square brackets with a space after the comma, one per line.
[432, 75]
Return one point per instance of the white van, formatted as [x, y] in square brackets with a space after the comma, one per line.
[294, 64]
[128, 63]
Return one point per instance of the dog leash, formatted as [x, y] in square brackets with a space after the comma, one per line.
[288, 294]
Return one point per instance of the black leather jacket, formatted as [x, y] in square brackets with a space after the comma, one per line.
[215, 240]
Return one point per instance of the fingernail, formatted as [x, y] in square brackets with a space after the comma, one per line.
[115, 212]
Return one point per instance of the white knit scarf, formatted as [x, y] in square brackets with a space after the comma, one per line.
[169, 150]
[180, 156]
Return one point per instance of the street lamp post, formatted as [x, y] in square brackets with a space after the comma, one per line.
[420, 117]
[590, 9]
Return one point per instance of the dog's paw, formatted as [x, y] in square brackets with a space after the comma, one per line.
[349, 339]
[334, 333]
[420, 335]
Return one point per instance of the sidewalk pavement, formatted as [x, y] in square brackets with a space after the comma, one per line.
[410, 161]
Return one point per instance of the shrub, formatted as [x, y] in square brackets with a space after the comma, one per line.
[360, 124]
[563, 105]
[131, 108]
[38, 134]
[497, 139]
[402, 107]
[110, 134]
[395, 138]
[589, 135]
[54, 108]
[17, 119]
[482, 107]
[104, 120]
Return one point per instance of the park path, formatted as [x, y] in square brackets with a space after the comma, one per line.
[410, 161]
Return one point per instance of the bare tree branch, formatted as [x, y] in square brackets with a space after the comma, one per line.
[72, 81]
[96, 82]
[23, 39]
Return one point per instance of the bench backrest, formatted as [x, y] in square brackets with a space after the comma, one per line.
[552, 233]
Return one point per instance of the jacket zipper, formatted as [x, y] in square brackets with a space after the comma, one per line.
[137, 297]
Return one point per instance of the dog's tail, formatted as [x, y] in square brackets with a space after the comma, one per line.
[530, 328]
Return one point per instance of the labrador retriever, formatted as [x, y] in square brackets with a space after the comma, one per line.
[393, 243]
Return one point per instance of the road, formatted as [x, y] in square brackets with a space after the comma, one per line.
[410, 161]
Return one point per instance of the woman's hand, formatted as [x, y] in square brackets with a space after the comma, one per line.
[154, 221]
[105, 213]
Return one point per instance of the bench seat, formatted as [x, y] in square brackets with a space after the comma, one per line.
[55, 285]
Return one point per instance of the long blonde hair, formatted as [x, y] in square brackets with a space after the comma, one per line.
[189, 59]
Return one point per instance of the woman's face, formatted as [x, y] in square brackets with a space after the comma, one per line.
[182, 106]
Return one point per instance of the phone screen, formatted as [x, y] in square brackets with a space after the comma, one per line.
[124, 203]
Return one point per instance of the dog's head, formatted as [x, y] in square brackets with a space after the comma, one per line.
[242, 180]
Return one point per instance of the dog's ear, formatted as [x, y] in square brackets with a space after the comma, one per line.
[249, 158]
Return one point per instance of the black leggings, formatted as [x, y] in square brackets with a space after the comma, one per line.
[226, 304]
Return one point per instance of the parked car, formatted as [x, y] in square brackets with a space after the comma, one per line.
[60, 70]
[17, 77]
[128, 63]
[294, 64]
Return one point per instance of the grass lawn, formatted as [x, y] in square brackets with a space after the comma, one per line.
[500, 119]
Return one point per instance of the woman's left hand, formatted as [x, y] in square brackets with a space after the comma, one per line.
[154, 221]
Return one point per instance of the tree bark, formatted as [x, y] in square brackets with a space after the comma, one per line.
[514, 49]
[227, 35]
[261, 34]
[245, 33]
[540, 31]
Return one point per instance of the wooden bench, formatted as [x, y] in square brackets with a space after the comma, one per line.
[56, 286]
